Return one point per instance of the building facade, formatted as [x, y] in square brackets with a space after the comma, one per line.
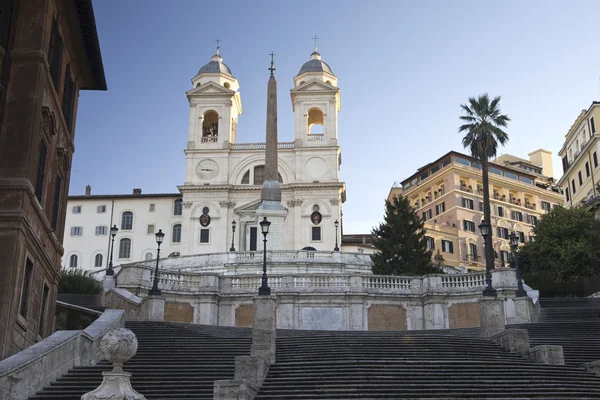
[224, 178]
[448, 194]
[49, 51]
[579, 154]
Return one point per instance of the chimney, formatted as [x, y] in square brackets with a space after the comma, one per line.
[137, 191]
[88, 190]
[543, 159]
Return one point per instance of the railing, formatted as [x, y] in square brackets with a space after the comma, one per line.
[259, 146]
[463, 280]
[531, 206]
[466, 189]
[209, 139]
[316, 137]
[322, 283]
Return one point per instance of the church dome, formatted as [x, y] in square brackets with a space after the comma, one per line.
[216, 66]
[315, 65]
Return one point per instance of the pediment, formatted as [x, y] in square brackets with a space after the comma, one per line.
[248, 208]
[210, 88]
[315, 85]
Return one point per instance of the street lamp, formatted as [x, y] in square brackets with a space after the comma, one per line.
[264, 289]
[336, 223]
[232, 235]
[514, 244]
[155, 291]
[484, 227]
[113, 233]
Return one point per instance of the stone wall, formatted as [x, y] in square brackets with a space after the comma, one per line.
[71, 317]
[179, 312]
[463, 315]
[384, 317]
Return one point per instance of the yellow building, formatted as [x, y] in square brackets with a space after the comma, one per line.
[580, 155]
[448, 194]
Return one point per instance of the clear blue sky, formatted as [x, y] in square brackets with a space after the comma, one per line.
[403, 69]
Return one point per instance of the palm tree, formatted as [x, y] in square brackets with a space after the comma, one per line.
[483, 123]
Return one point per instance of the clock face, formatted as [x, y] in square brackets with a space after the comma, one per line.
[207, 169]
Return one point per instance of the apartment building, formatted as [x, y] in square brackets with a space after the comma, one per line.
[448, 194]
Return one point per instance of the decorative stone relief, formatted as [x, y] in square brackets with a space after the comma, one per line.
[188, 204]
[117, 346]
[191, 145]
[227, 204]
[321, 318]
[334, 202]
[228, 103]
[48, 121]
[294, 203]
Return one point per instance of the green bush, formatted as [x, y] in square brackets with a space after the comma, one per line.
[77, 281]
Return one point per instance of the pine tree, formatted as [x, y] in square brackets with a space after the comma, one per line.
[401, 242]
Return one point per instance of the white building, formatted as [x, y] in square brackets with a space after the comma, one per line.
[223, 181]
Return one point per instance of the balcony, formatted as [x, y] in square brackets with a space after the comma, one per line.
[530, 206]
[466, 188]
[209, 139]
[316, 137]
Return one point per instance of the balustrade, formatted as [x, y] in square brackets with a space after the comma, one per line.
[316, 137]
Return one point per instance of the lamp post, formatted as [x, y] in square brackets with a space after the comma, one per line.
[336, 223]
[232, 235]
[484, 227]
[514, 244]
[264, 289]
[155, 291]
[113, 233]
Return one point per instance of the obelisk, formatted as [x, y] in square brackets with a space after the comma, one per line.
[270, 194]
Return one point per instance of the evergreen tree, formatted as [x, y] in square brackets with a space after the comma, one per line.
[564, 259]
[401, 242]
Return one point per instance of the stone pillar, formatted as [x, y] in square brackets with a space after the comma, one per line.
[514, 340]
[263, 329]
[117, 346]
[155, 306]
[491, 314]
[522, 310]
[546, 354]
[435, 313]
[108, 282]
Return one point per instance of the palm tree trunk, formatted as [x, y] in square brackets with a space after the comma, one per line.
[489, 249]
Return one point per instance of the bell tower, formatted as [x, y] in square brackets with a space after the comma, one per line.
[215, 106]
[316, 103]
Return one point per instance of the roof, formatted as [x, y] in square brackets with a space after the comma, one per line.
[89, 35]
[215, 66]
[122, 196]
[315, 65]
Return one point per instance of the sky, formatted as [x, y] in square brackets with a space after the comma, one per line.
[403, 68]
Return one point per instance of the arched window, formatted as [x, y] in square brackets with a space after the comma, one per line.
[127, 221]
[176, 236]
[210, 124]
[98, 260]
[315, 123]
[246, 178]
[73, 261]
[259, 175]
[177, 207]
[125, 248]
[148, 256]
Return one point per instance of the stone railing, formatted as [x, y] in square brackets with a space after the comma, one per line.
[316, 137]
[259, 146]
[28, 371]
[189, 282]
[209, 139]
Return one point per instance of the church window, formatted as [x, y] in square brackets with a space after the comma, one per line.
[127, 221]
[227, 85]
[176, 235]
[328, 82]
[210, 124]
[125, 248]
[178, 207]
[246, 178]
[316, 234]
[253, 238]
[151, 207]
[98, 260]
[148, 256]
[204, 235]
[73, 261]
[315, 124]
[259, 175]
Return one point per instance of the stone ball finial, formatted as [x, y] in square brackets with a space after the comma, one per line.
[118, 346]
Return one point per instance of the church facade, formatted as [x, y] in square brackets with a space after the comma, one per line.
[215, 210]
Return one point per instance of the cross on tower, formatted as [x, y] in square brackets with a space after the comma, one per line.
[315, 38]
[272, 67]
[218, 47]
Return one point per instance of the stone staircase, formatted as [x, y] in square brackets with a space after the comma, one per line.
[573, 323]
[394, 365]
[174, 361]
